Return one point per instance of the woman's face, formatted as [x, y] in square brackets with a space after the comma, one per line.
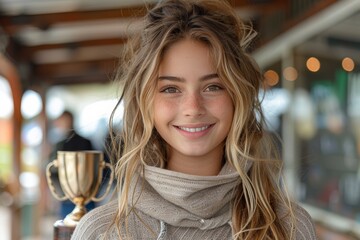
[192, 109]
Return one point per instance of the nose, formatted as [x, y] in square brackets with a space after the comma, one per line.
[193, 105]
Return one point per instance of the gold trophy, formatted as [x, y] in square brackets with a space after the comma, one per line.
[80, 175]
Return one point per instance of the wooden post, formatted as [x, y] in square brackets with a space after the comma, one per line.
[10, 73]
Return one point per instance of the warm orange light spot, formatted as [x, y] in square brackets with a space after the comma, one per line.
[290, 74]
[313, 64]
[271, 77]
[348, 64]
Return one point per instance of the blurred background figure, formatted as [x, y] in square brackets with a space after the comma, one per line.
[69, 140]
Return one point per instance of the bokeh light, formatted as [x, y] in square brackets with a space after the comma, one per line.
[31, 104]
[290, 74]
[32, 134]
[348, 64]
[313, 64]
[271, 77]
[54, 107]
[7, 107]
[29, 179]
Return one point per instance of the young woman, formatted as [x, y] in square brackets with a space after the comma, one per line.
[195, 162]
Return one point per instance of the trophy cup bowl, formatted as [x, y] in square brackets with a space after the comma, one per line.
[80, 175]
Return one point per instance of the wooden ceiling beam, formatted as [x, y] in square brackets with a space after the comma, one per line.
[69, 80]
[263, 6]
[28, 52]
[67, 69]
[73, 73]
[13, 24]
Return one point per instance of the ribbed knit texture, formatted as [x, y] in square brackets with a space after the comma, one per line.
[189, 207]
[186, 197]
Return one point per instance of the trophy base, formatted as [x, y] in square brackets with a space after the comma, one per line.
[62, 231]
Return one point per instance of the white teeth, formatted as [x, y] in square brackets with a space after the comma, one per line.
[194, 129]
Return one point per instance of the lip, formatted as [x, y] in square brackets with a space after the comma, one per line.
[194, 131]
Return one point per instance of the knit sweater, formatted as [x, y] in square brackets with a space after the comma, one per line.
[172, 205]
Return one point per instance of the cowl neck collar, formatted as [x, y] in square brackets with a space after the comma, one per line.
[185, 200]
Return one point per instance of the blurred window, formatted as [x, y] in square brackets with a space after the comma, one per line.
[330, 153]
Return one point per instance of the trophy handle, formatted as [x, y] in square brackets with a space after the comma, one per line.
[51, 185]
[98, 199]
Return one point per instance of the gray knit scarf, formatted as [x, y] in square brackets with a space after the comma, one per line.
[184, 200]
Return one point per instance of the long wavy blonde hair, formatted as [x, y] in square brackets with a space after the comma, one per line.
[216, 24]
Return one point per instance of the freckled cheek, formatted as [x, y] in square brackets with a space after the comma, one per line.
[164, 110]
[223, 107]
[224, 111]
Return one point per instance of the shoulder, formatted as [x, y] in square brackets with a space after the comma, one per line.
[96, 222]
[304, 225]
[74, 141]
[77, 136]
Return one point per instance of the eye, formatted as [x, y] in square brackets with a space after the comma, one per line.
[169, 90]
[213, 88]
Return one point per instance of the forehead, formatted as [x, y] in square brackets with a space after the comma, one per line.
[187, 54]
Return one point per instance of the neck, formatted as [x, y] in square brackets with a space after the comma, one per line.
[201, 166]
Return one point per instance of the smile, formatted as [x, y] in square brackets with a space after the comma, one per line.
[192, 130]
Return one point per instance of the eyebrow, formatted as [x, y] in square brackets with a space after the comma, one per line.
[179, 79]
